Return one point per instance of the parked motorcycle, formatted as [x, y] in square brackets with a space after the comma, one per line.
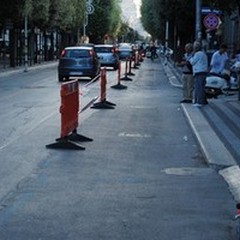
[218, 84]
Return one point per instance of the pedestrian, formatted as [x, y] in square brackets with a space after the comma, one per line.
[199, 63]
[153, 50]
[219, 60]
[187, 74]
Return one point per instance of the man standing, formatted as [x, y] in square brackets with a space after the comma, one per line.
[218, 60]
[187, 74]
[199, 63]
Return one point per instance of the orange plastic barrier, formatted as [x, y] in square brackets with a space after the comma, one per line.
[69, 107]
[69, 118]
[119, 85]
[136, 62]
[130, 73]
[126, 78]
[103, 103]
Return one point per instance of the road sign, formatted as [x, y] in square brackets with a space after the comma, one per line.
[211, 21]
[89, 8]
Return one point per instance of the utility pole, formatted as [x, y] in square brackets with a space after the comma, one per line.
[166, 34]
[198, 29]
[89, 9]
[26, 43]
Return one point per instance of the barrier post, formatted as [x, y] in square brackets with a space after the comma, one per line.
[138, 58]
[126, 78]
[103, 103]
[69, 118]
[141, 56]
[119, 85]
[135, 66]
[130, 73]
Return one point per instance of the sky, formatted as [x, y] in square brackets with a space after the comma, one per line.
[131, 13]
[138, 4]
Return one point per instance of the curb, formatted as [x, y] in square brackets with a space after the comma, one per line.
[213, 148]
[232, 176]
[216, 154]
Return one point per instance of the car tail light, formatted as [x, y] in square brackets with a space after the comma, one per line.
[91, 56]
[91, 53]
[114, 50]
[63, 53]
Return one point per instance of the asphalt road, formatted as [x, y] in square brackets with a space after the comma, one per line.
[143, 176]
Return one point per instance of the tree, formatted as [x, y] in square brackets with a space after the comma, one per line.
[104, 20]
[180, 15]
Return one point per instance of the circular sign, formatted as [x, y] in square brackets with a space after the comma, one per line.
[89, 8]
[211, 21]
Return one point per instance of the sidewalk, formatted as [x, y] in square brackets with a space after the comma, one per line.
[8, 70]
[217, 128]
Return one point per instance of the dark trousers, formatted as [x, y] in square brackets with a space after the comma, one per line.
[199, 88]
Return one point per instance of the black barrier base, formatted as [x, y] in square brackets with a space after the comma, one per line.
[103, 105]
[126, 78]
[119, 86]
[74, 136]
[109, 103]
[135, 67]
[65, 144]
[130, 74]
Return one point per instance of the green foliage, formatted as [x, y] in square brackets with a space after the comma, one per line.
[63, 14]
[179, 13]
[39, 11]
[104, 20]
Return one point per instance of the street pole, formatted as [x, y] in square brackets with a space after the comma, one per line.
[198, 30]
[89, 9]
[166, 34]
[26, 43]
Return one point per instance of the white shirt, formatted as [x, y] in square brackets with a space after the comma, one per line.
[199, 62]
[218, 61]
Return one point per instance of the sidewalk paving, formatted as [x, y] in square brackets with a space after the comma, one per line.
[8, 70]
[217, 128]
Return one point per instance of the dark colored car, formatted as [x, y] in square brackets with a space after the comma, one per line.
[78, 61]
[108, 55]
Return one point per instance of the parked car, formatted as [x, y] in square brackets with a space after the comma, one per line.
[78, 61]
[125, 51]
[108, 55]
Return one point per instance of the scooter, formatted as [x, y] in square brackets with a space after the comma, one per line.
[218, 84]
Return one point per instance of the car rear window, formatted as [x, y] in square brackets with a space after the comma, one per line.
[77, 53]
[104, 50]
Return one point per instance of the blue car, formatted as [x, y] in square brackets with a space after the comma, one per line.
[78, 61]
[108, 55]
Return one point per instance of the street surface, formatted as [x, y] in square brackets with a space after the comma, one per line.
[143, 177]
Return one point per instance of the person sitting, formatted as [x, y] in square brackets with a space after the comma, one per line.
[218, 61]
